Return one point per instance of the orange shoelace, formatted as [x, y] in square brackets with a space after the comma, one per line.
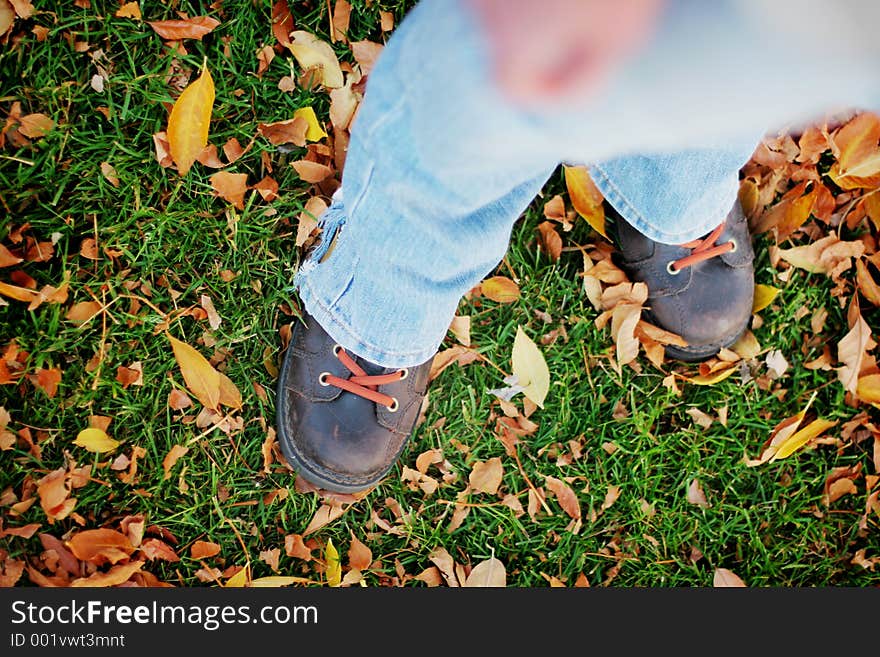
[360, 383]
[702, 250]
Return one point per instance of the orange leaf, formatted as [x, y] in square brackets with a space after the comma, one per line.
[565, 496]
[359, 555]
[282, 22]
[129, 10]
[18, 293]
[267, 188]
[35, 125]
[189, 28]
[485, 477]
[47, 380]
[867, 285]
[366, 53]
[189, 122]
[7, 17]
[153, 549]
[100, 546]
[7, 258]
[549, 240]
[178, 400]
[312, 172]
[173, 455]
[292, 131]
[201, 378]
[230, 186]
[852, 351]
[203, 550]
[500, 289]
[113, 577]
[53, 491]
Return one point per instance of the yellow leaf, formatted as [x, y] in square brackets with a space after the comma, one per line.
[95, 440]
[586, 197]
[801, 438]
[129, 10]
[530, 368]
[764, 295]
[240, 579]
[868, 388]
[190, 121]
[311, 52]
[747, 346]
[713, 378]
[201, 378]
[333, 573]
[500, 289]
[229, 395]
[315, 132]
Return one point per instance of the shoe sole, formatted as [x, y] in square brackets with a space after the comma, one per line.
[288, 449]
[703, 352]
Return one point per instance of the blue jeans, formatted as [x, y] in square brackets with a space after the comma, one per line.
[440, 165]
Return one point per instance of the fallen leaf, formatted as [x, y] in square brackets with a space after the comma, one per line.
[852, 351]
[129, 10]
[341, 17]
[201, 378]
[325, 514]
[47, 380]
[824, 256]
[7, 16]
[282, 22]
[35, 125]
[83, 311]
[109, 173]
[500, 289]
[565, 496]
[172, 457]
[359, 555]
[461, 329]
[292, 131]
[189, 122]
[695, 494]
[488, 573]
[100, 546]
[230, 186]
[724, 578]
[858, 157]
[153, 549]
[265, 55]
[549, 240]
[530, 368]
[314, 132]
[813, 430]
[867, 285]
[295, 547]
[365, 54]
[113, 577]
[485, 476]
[441, 558]
[178, 400]
[764, 296]
[776, 364]
[129, 376]
[214, 319]
[333, 566]
[95, 440]
[204, 550]
[189, 28]
[312, 53]
[267, 188]
[585, 197]
[312, 172]
[624, 319]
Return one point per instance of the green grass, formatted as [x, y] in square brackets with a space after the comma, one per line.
[173, 237]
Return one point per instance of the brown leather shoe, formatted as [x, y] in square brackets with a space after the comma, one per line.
[342, 421]
[702, 290]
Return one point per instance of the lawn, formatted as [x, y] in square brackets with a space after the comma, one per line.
[632, 474]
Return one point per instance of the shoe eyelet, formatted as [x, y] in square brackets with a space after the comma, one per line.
[336, 349]
[735, 246]
[322, 378]
[395, 406]
[403, 374]
[671, 270]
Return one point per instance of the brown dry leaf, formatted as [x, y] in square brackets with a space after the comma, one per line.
[292, 131]
[788, 214]
[214, 319]
[230, 395]
[7, 258]
[339, 24]
[365, 54]
[441, 558]
[549, 240]
[343, 103]
[695, 494]
[231, 187]
[178, 400]
[867, 285]
[724, 578]
[488, 573]
[128, 376]
[109, 173]
[265, 55]
[173, 455]
[312, 53]
[359, 555]
[189, 122]
[565, 496]
[485, 476]
[308, 218]
[204, 550]
[295, 547]
[461, 329]
[129, 10]
[282, 22]
[35, 125]
[54, 490]
[325, 514]
[113, 577]
[7, 18]
[209, 157]
[153, 549]
[163, 150]
[585, 197]
[386, 21]
[189, 28]
[312, 172]
[100, 546]
[500, 289]
[233, 150]
[624, 319]
[267, 188]
[201, 378]
[83, 311]
[852, 351]
[610, 497]
[47, 380]
[858, 157]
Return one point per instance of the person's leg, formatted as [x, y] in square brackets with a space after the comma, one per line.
[438, 169]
